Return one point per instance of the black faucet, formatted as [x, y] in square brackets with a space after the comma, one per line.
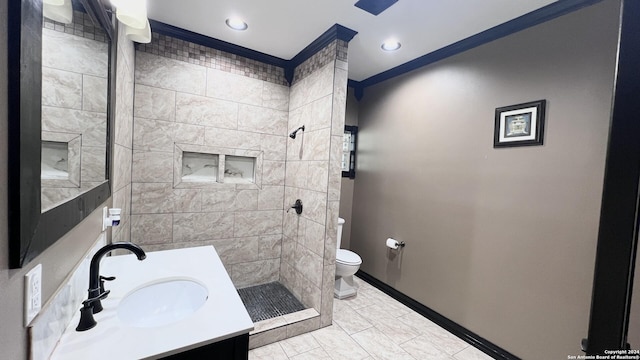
[93, 304]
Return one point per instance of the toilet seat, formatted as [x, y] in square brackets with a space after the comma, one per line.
[347, 257]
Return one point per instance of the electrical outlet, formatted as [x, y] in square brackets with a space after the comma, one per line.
[32, 293]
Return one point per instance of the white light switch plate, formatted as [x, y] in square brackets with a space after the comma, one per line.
[32, 293]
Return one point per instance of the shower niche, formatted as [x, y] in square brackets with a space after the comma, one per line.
[60, 160]
[203, 166]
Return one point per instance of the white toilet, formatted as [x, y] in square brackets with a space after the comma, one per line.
[347, 264]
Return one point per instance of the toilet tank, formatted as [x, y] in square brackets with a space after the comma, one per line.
[340, 224]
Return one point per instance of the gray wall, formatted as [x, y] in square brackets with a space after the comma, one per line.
[346, 190]
[501, 241]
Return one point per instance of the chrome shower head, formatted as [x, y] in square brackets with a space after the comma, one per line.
[293, 134]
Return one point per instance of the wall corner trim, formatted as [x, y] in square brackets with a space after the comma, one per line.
[473, 339]
[536, 17]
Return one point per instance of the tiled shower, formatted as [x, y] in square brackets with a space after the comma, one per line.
[201, 110]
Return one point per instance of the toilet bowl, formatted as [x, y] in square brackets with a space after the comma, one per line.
[347, 264]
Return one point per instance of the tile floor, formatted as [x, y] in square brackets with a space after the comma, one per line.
[372, 325]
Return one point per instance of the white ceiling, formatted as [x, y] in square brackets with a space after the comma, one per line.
[283, 28]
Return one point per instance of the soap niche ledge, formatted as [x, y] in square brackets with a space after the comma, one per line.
[197, 166]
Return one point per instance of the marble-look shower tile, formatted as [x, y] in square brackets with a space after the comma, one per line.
[202, 226]
[273, 172]
[237, 250]
[187, 200]
[94, 93]
[201, 110]
[79, 55]
[289, 278]
[122, 163]
[275, 96]
[269, 247]
[295, 147]
[304, 326]
[93, 163]
[92, 125]
[313, 238]
[61, 88]
[297, 174]
[318, 175]
[227, 86]
[315, 205]
[311, 295]
[299, 344]
[153, 135]
[188, 134]
[152, 228]
[328, 285]
[231, 139]
[335, 171]
[339, 102]
[274, 147]
[162, 72]
[151, 198]
[421, 348]
[271, 198]
[252, 223]
[340, 345]
[229, 200]
[262, 120]
[330, 241]
[254, 273]
[154, 103]
[309, 264]
[318, 113]
[380, 346]
[317, 144]
[267, 337]
[152, 167]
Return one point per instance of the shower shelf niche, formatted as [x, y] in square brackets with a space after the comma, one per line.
[60, 160]
[198, 166]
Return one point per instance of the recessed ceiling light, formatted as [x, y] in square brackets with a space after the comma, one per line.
[391, 45]
[236, 23]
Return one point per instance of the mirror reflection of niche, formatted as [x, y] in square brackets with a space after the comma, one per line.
[198, 167]
[59, 168]
[55, 160]
[239, 169]
[75, 60]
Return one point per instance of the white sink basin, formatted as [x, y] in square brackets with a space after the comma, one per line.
[161, 303]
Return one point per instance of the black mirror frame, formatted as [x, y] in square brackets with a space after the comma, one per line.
[30, 231]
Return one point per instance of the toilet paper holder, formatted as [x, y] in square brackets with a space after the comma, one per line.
[394, 244]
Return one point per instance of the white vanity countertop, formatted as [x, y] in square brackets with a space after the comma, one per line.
[221, 317]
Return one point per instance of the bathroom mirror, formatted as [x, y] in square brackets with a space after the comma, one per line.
[36, 223]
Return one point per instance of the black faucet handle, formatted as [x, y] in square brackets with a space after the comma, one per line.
[86, 312]
[89, 302]
[103, 279]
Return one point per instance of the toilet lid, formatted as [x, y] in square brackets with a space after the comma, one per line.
[348, 257]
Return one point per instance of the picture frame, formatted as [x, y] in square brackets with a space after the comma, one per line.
[519, 125]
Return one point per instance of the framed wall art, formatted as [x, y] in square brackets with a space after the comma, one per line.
[519, 125]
